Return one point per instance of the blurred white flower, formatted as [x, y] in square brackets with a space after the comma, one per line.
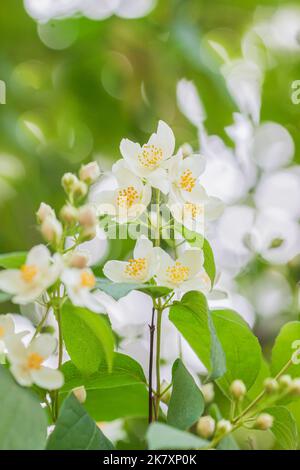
[272, 146]
[26, 364]
[45, 10]
[149, 161]
[244, 80]
[7, 328]
[271, 294]
[189, 102]
[280, 31]
[280, 189]
[140, 268]
[29, 282]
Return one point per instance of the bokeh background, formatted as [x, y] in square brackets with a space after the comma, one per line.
[75, 87]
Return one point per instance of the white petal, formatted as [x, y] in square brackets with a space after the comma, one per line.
[10, 281]
[134, 8]
[49, 379]
[166, 139]
[196, 164]
[21, 374]
[190, 103]
[114, 270]
[130, 152]
[143, 248]
[39, 256]
[16, 350]
[193, 259]
[159, 179]
[272, 146]
[8, 324]
[44, 345]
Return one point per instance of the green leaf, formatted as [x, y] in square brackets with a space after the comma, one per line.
[75, 430]
[186, 403]
[209, 261]
[284, 427]
[283, 349]
[121, 289]
[111, 395]
[228, 442]
[241, 348]
[13, 260]
[88, 338]
[161, 436]
[23, 422]
[193, 319]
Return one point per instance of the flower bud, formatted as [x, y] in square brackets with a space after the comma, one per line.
[87, 216]
[271, 385]
[238, 389]
[224, 426]
[264, 422]
[44, 211]
[69, 214]
[79, 189]
[79, 259]
[80, 393]
[285, 381]
[206, 427]
[68, 181]
[295, 387]
[89, 173]
[89, 233]
[208, 392]
[52, 230]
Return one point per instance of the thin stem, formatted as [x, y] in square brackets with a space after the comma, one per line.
[60, 354]
[158, 344]
[150, 399]
[157, 235]
[41, 324]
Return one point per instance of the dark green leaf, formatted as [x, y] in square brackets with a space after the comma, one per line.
[209, 261]
[75, 429]
[111, 395]
[161, 436]
[13, 260]
[285, 347]
[88, 338]
[121, 289]
[284, 427]
[193, 319]
[23, 422]
[186, 403]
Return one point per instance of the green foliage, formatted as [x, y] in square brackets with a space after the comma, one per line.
[193, 319]
[75, 430]
[186, 403]
[228, 442]
[23, 422]
[113, 394]
[88, 338]
[13, 260]
[119, 290]
[284, 427]
[283, 349]
[161, 436]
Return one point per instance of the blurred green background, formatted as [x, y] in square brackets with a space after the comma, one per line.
[104, 80]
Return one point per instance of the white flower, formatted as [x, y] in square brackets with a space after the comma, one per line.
[26, 364]
[183, 274]
[197, 211]
[38, 273]
[81, 289]
[141, 268]
[44, 211]
[148, 161]
[189, 102]
[184, 173]
[51, 230]
[7, 328]
[129, 200]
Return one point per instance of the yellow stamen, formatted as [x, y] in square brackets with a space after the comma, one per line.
[151, 156]
[194, 209]
[187, 181]
[87, 279]
[127, 197]
[28, 272]
[136, 268]
[2, 331]
[178, 273]
[34, 361]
